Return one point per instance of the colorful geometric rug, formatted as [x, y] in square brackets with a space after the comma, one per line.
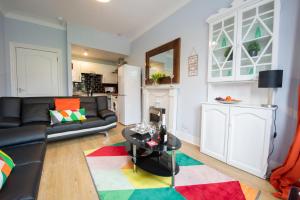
[112, 172]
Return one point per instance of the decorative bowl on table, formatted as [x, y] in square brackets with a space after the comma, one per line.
[227, 100]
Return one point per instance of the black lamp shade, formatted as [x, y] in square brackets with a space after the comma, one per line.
[270, 79]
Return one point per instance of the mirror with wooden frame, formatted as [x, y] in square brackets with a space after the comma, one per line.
[166, 60]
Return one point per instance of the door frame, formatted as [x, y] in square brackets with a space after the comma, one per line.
[13, 64]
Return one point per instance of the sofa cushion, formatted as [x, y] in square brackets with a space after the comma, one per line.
[10, 107]
[62, 116]
[23, 183]
[93, 122]
[67, 103]
[106, 113]
[31, 100]
[9, 122]
[102, 103]
[6, 166]
[26, 153]
[90, 109]
[68, 126]
[36, 112]
[21, 135]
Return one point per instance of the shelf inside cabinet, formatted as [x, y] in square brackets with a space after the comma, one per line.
[257, 39]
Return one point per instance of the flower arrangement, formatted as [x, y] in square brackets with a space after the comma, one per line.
[157, 76]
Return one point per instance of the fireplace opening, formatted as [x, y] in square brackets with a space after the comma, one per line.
[155, 115]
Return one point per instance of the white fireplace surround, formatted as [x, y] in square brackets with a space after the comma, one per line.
[161, 96]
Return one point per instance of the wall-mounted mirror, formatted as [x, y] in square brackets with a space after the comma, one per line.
[164, 59]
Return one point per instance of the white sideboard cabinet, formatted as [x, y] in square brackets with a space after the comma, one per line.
[237, 135]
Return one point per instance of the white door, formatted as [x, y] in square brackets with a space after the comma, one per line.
[214, 131]
[37, 72]
[249, 137]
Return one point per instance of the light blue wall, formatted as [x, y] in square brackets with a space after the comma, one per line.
[90, 37]
[29, 33]
[188, 23]
[289, 60]
[2, 62]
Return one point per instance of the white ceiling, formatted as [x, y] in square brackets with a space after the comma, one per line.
[77, 51]
[129, 18]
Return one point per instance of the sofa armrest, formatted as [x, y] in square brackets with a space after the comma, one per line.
[106, 113]
[20, 135]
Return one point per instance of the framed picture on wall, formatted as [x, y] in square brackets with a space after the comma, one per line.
[193, 65]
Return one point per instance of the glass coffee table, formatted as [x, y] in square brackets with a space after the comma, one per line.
[159, 160]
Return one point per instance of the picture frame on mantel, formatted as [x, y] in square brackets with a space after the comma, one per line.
[171, 77]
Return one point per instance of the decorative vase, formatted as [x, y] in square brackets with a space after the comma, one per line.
[224, 42]
[155, 82]
[257, 32]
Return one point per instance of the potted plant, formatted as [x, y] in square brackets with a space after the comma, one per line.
[253, 48]
[227, 52]
[155, 77]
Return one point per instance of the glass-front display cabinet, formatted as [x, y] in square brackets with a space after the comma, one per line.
[242, 40]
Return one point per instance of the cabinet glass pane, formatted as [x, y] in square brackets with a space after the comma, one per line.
[247, 71]
[226, 72]
[222, 48]
[215, 74]
[257, 33]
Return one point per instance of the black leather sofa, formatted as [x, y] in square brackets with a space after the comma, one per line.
[25, 130]
[19, 112]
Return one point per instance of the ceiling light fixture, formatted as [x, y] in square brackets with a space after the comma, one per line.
[103, 1]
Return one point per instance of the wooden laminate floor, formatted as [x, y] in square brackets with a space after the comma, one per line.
[66, 176]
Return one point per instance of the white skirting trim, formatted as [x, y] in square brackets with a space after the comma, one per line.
[195, 140]
[55, 135]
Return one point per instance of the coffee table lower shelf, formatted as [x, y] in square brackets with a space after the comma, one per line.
[158, 165]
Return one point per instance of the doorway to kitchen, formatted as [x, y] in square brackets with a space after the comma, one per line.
[95, 73]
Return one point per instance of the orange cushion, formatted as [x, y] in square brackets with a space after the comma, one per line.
[67, 104]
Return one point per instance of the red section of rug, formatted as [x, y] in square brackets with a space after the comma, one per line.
[221, 191]
[109, 151]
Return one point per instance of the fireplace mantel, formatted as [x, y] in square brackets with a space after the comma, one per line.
[161, 87]
[162, 96]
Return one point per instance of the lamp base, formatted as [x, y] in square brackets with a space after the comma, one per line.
[268, 106]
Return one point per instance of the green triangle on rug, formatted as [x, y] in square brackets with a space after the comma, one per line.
[145, 194]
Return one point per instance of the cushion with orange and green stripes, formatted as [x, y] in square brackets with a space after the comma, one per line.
[62, 116]
[6, 166]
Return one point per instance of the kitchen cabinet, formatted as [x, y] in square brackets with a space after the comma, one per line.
[237, 135]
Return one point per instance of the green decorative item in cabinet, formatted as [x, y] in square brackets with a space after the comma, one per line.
[257, 32]
[224, 42]
[253, 48]
[227, 52]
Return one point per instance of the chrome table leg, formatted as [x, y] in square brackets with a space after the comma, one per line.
[134, 158]
[173, 167]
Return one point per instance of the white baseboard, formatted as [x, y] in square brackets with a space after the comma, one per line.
[188, 138]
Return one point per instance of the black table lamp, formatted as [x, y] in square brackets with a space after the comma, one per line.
[270, 79]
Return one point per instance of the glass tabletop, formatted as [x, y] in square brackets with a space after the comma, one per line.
[173, 143]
